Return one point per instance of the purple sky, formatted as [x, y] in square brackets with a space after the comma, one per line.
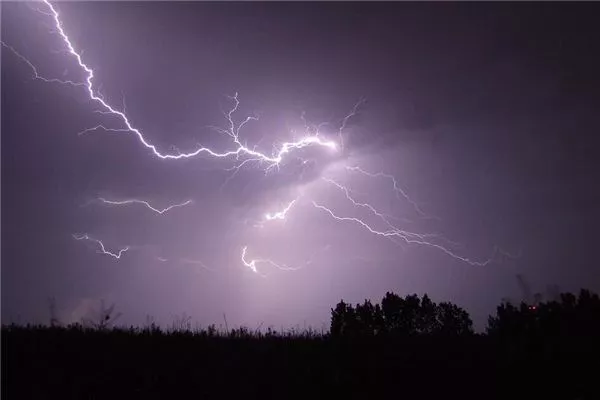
[484, 113]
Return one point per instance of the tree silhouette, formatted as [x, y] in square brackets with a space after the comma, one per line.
[570, 316]
[427, 321]
[365, 315]
[453, 320]
[391, 307]
[399, 316]
[343, 319]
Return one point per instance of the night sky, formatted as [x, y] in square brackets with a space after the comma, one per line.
[486, 115]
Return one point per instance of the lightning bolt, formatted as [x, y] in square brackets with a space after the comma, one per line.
[400, 193]
[386, 218]
[243, 155]
[233, 131]
[280, 214]
[346, 119]
[145, 203]
[102, 250]
[36, 75]
[101, 127]
[407, 237]
[392, 233]
[252, 264]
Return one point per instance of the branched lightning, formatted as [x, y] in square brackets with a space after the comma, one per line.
[232, 131]
[407, 237]
[40, 11]
[36, 75]
[400, 193]
[347, 192]
[386, 218]
[346, 119]
[242, 154]
[252, 264]
[145, 203]
[102, 250]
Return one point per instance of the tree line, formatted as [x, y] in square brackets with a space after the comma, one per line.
[569, 315]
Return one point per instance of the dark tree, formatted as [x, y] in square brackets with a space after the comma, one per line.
[427, 318]
[570, 316]
[453, 320]
[399, 316]
[343, 319]
[365, 319]
[391, 307]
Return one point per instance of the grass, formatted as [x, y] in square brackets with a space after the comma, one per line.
[76, 362]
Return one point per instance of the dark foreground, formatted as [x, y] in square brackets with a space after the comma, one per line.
[42, 363]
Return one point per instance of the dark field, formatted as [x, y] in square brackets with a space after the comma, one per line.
[43, 363]
[521, 356]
